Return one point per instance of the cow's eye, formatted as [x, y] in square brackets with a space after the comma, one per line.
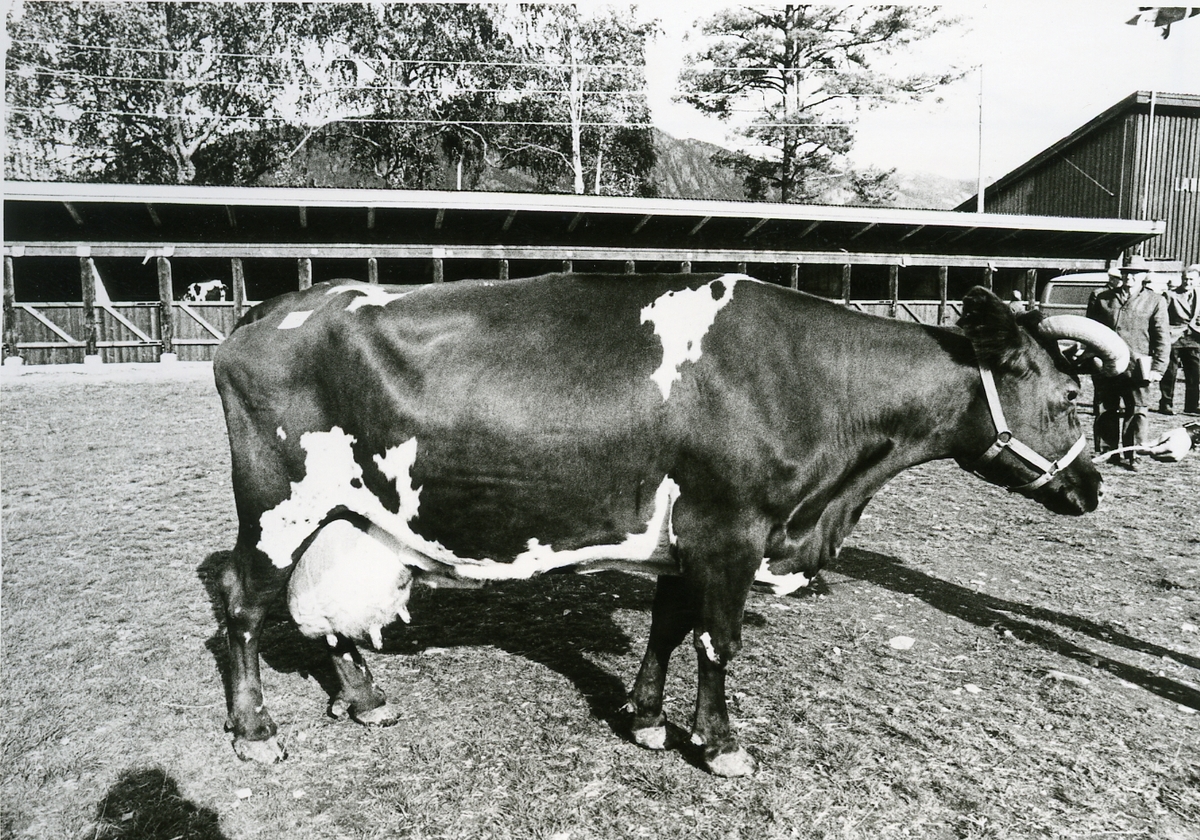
[1072, 394]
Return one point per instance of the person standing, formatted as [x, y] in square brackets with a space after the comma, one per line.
[1183, 317]
[1139, 316]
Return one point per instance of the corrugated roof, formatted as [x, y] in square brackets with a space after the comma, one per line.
[55, 217]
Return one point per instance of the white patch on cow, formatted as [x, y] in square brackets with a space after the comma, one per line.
[709, 650]
[681, 319]
[781, 585]
[369, 295]
[282, 434]
[246, 636]
[333, 480]
[294, 319]
[537, 558]
[331, 640]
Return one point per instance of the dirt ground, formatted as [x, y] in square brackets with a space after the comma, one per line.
[971, 666]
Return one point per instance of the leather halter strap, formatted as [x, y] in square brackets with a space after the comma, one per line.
[1005, 441]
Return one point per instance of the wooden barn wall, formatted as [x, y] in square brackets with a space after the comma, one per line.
[1174, 186]
[1104, 176]
[1089, 179]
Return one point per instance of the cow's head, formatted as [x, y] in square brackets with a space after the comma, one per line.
[1026, 436]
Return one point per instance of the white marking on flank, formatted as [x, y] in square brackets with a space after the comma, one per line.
[781, 585]
[332, 480]
[369, 295]
[681, 319]
[709, 650]
[294, 319]
[282, 434]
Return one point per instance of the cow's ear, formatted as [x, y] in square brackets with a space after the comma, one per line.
[993, 330]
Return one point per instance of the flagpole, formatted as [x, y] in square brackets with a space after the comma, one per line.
[979, 173]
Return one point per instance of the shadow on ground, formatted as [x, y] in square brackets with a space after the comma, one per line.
[146, 805]
[989, 611]
[554, 620]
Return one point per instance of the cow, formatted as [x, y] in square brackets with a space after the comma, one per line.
[706, 429]
[208, 290]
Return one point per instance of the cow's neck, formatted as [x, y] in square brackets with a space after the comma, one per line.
[934, 413]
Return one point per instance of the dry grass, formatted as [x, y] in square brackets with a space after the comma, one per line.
[116, 506]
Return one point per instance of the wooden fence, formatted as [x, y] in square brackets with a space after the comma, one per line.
[98, 330]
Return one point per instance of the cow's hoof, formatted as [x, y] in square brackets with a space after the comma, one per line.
[652, 737]
[731, 764]
[384, 715]
[260, 752]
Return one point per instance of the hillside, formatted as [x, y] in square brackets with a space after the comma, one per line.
[684, 170]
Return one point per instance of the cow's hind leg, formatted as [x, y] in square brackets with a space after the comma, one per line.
[245, 601]
[670, 622]
[358, 695]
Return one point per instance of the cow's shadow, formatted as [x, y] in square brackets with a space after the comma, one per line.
[1025, 622]
[557, 620]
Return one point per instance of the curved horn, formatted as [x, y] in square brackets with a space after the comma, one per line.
[1105, 343]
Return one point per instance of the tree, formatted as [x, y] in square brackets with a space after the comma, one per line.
[149, 92]
[578, 107]
[802, 72]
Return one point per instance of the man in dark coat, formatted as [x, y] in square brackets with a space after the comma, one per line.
[1139, 316]
[1183, 315]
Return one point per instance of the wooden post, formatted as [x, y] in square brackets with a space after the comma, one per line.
[1030, 287]
[567, 266]
[629, 266]
[943, 292]
[373, 271]
[989, 278]
[91, 319]
[166, 311]
[503, 269]
[685, 267]
[795, 278]
[304, 266]
[439, 270]
[12, 336]
[846, 284]
[893, 290]
[741, 268]
[239, 289]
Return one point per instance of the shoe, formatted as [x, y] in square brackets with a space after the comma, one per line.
[1192, 412]
[1115, 460]
[1132, 464]
[1165, 409]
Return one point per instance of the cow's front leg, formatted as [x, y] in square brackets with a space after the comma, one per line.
[245, 613]
[671, 619]
[721, 582]
[358, 695]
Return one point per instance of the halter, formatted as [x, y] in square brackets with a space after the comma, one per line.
[1005, 440]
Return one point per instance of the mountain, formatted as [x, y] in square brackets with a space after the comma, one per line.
[684, 169]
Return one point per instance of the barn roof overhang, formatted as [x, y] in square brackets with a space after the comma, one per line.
[59, 219]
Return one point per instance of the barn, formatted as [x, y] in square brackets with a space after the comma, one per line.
[1140, 159]
[100, 272]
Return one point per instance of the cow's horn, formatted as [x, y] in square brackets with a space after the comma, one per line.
[1106, 344]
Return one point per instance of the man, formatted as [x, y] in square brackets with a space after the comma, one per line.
[1183, 317]
[1139, 316]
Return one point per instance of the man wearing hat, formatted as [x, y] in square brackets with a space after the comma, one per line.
[1183, 316]
[1139, 316]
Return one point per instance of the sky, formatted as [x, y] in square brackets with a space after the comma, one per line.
[1048, 67]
